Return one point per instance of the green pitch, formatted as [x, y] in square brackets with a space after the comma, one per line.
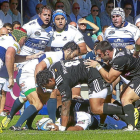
[67, 135]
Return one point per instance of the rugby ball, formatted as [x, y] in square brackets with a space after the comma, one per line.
[43, 124]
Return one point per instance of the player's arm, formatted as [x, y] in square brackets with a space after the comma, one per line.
[39, 67]
[110, 76]
[22, 58]
[65, 112]
[74, 128]
[9, 61]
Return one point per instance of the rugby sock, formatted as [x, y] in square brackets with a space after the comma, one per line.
[15, 108]
[109, 109]
[52, 106]
[30, 120]
[28, 112]
[129, 114]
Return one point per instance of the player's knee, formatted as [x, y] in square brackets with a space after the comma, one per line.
[97, 109]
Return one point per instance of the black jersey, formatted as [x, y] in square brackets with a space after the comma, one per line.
[124, 62]
[69, 73]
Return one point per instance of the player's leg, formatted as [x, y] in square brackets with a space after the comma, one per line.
[2, 103]
[52, 105]
[128, 96]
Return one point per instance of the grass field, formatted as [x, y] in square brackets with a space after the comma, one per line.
[67, 135]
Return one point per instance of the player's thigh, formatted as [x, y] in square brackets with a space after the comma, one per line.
[131, 92]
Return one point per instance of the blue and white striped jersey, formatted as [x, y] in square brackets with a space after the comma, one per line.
[121, 37]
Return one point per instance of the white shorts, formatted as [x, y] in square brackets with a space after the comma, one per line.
[4, 84]
[26, 82]
[102, 94]
[78, 86]
[83, 120]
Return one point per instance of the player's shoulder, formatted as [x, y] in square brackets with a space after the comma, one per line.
[72, 28]
[30, 23]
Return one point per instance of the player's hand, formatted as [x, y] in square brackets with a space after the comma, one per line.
[54, 127]
[11, 83]
[37, 55]
[83, 20]
[90, 63]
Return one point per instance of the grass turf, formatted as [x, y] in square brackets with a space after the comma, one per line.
[67, 135]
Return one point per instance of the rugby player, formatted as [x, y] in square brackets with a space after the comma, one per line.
[63, 33]
[122, 63]
[26, 81]
[80, 118]
[65, 75]
[122, 33]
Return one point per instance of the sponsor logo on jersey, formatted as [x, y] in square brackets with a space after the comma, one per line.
[58, 34]
[118, 40]
[50, 60]
[126, 31]
[65, 38]
[37, 33]
[111, 32]
[81, 122]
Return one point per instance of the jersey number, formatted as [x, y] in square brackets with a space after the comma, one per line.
[72, 63]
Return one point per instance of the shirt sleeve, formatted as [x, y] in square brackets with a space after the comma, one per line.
[119, 63]
[78, 37]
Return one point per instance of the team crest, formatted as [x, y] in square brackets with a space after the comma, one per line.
[65, 38]
[88, 34]
[37, 33]
[111, 32]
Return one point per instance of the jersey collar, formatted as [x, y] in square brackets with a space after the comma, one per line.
[66, 28]
[40, 22]
[125, 24]
[63, 55]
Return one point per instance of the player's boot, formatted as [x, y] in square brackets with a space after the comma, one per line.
[136, 115]
[15, 128]
[130, 128]
[5, 122]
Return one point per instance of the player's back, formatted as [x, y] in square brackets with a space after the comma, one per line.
[74, 72]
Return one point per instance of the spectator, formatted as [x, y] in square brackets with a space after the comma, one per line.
[86, 33]
[9, 27]
[38, 6]
[4, 16]
[93, 17]
[31, 11]
[127, 10]
[67, 5]
[106, 15]
[101, 4]
[85, 6]
[101, 36]
[16, 24]
[13, 12]
[119, 3]
[60, 5]
[74, 16]
[135, 7]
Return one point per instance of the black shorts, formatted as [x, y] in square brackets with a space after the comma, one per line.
[135, 84]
